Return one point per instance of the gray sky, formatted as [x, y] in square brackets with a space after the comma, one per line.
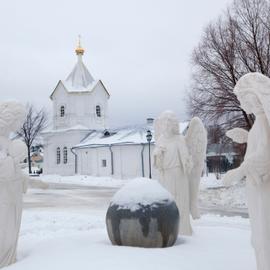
[140, 49]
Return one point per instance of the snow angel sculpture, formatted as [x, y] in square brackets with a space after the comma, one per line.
[253, 92]
[173, 160]
[12, 181]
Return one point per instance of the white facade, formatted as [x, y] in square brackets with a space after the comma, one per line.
[80, 107]
[127, 161]
[80, 104]
[121, 154]
[55, 143]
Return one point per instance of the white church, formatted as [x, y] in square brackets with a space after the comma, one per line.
[80, 141]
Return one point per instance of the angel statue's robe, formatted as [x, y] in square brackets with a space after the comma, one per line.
[11, 190]
[171, 159]
[256, 167]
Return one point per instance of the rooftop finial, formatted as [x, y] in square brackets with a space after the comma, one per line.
[79, 50]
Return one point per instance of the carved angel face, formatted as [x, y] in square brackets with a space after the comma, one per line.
[170, 126]
[166, 125]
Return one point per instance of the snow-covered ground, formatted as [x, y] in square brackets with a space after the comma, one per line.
[64, 228]
[214, 195]
[78, 240]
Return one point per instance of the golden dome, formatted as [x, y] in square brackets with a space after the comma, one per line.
[79, 50]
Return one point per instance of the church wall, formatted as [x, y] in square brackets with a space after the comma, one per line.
[127, 161]
[80, 108]
[84, 109]
[84, 162]
[100, 98]
[59, 99]
[90, 161]
[79, 115]
[61, 140]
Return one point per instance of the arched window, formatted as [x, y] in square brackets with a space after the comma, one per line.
[65, 155]
[62, 111]
[98, 111]
[58, 155]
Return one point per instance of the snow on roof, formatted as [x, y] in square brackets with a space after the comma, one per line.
[120, 136]
[77, 82]
[80, 78]
[114, 137]
[70, 88]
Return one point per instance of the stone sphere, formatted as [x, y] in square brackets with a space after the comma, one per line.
[143, 214]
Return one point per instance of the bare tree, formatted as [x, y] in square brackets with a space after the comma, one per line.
[35, 122]
[235, 44]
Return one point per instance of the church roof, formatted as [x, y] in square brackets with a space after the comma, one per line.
[120, 136]
[80, 79]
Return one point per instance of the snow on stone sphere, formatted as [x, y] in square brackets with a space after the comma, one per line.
[141, 191]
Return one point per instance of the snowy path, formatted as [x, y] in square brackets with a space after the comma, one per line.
[73, 195]
[69, 196]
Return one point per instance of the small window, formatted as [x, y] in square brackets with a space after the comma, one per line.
[58, 155]
[62, 111]
[104, 163]
[65, 155]
[98, 111]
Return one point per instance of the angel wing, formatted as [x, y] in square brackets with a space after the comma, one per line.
[238, 135]
[196, 140]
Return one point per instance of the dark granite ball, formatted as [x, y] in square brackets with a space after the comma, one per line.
[154, 225]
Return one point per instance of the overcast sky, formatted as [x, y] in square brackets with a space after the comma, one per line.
[140, 49]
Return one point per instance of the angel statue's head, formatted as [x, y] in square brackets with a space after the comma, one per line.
[253, 91]
[12, 115]
[167, 124]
